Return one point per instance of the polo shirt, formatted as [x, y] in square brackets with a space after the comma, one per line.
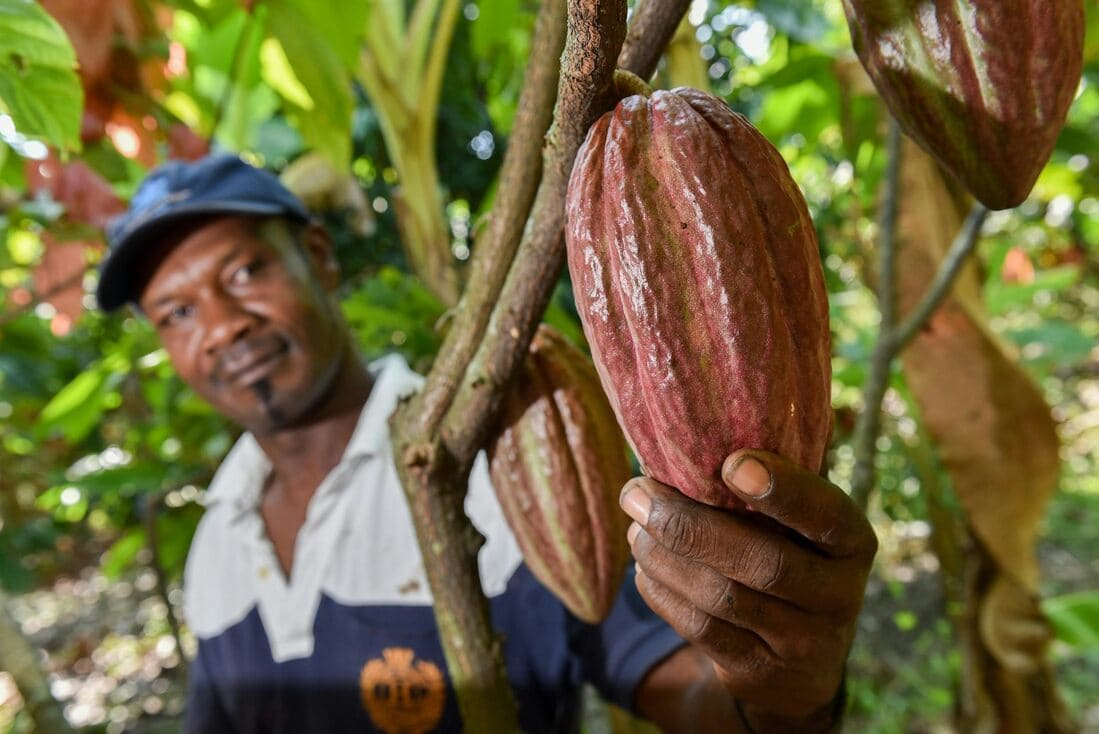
[348, 643]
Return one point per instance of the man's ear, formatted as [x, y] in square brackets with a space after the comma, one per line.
[318, 246]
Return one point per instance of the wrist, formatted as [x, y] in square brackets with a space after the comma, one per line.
[828, 719]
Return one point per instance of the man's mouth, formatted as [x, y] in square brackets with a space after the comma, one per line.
[252, 361]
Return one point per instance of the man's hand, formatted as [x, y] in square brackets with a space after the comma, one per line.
[771, 595]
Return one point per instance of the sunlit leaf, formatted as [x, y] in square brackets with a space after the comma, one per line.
[1075, 618]
[39, 87]
[323, 74]
[123, 552]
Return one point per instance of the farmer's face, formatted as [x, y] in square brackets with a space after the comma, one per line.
[245, 314]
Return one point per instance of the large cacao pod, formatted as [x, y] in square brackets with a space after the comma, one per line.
[982, 85]
[558, 464]
[698, 281]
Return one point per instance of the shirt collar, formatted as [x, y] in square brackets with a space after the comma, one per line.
[240, 478]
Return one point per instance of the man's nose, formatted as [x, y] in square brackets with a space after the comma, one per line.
[228, 322]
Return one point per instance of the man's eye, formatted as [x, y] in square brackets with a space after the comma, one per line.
[245, 273]
[176, 314]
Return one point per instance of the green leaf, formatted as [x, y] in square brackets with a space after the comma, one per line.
[1001, 297]
[1075, 618]
[805, 108]
[137, 477]
[38, 83]
[123, 552]
[322, 71]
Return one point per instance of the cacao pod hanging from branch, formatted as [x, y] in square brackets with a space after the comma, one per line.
[698, 281]
[558, 465]
[982, 85]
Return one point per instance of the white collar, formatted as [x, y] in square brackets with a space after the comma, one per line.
[240, 478]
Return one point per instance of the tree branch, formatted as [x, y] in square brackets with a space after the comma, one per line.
[495, 249]
[13, 313]
[434, 458]
[960, 250]
[652, 29]
[893, 337]
[868, 425]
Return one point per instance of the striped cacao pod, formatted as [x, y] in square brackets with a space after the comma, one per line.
[982, 85]
[698, 281]
[558, 464]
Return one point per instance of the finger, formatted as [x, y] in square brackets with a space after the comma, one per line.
[731, 647]
[758, 555]
[744, 663]
[776, 621]
[810, 505]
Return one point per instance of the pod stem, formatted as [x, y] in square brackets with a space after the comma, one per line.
[627, 84]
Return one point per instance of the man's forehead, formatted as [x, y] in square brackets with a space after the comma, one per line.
[188, 248]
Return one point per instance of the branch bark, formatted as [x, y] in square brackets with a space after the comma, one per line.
[869, 423]
[650, 32]
[437, 434]
[495, 249]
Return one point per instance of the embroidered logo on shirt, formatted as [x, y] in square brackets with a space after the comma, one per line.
[403, 695]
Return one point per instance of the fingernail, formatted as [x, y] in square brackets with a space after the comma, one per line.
[631, 534]
[751, 478]
[637, 504]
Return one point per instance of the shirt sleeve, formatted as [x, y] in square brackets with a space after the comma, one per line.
[615, 655]
[204, 712]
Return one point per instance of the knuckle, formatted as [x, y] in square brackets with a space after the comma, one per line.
[697, 626]
[769, 569]
[682, 535]
[722, 599]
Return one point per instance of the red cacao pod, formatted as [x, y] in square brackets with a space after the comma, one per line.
[982, 85]
[558, 465]
[698, 281]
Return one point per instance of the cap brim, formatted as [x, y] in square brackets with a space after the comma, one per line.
[117, 285]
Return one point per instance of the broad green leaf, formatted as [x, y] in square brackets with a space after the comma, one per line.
[77, 408]
[77, 393]
[137, 477]
[341, 24]
[805, 108]
[39, 87]
[324, 75]
[122, 554]
[1075, 618]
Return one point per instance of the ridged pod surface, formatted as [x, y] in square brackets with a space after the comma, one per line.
[698, 281]
[982, 85]
[558, 464]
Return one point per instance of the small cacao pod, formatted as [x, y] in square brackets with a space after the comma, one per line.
[982, 85]
[698, 281]
[558, 464]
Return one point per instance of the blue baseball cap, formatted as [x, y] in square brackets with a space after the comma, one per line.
[177, 191]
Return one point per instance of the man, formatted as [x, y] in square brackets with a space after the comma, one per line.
[305, 586]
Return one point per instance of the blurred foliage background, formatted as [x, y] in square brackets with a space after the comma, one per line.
[104, 454]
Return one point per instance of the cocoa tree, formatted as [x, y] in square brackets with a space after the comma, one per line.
[485, 333]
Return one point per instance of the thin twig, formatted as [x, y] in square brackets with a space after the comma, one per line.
[960, 250]
[869, 423]
[893, 337]
[651, 30]
[13, 313]
[495, 248]
[153, 504]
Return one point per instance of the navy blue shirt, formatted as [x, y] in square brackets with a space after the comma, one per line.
[348, 642]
